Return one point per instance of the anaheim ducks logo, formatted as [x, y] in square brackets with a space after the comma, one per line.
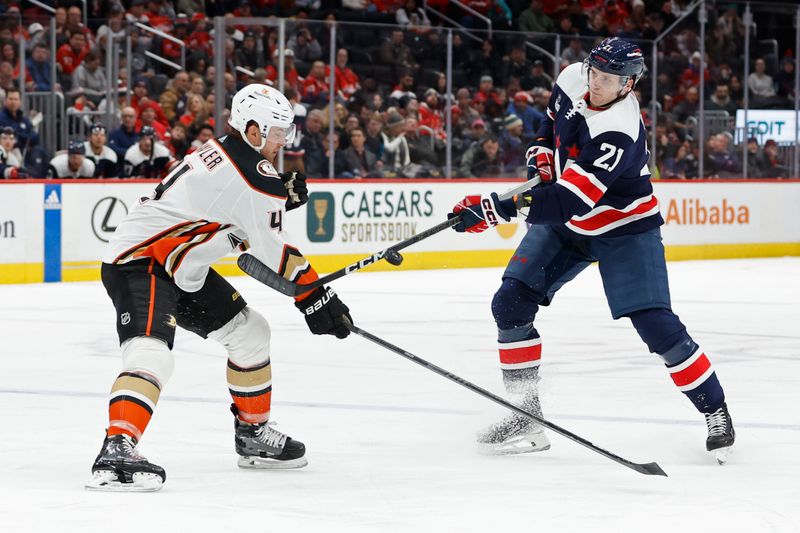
[265, 168]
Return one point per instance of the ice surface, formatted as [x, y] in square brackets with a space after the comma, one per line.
[390, 445]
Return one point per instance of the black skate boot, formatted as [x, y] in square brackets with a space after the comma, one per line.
[720, 433]
[516, 433]
[118, 468]
[261, 446]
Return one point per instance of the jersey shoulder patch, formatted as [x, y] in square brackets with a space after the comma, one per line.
[254, 169]
[572, 81]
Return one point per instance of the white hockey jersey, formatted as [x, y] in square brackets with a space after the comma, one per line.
[222, 197]
[59, 168]
[152, 165]
[105, 162]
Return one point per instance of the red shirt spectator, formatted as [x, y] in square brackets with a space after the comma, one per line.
[431, 116]
[290, 74]
[200, 38]
[347, 82]
[315, 86]
[72, 54]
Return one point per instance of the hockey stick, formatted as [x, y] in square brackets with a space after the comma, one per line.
[255, 268]
[651, 469]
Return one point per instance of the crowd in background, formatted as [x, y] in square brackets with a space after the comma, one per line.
[389, 94]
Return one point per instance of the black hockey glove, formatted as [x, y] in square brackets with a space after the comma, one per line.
[295, 183]
[325, 313]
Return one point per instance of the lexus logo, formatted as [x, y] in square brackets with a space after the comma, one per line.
[106, 215]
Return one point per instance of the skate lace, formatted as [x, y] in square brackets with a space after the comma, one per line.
[716, 422]
[270, 437]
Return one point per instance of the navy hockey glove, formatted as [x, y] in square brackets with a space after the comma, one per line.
[480, 212]
[540, 161]
[295, 183]
[325, 313]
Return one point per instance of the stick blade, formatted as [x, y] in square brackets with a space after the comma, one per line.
[650, 469]
[259, 271]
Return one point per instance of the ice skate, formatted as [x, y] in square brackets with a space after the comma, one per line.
[118, 468]
[515, 433]
[261, 446]
[721, 434]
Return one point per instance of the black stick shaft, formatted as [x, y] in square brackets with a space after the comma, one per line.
[648, 468]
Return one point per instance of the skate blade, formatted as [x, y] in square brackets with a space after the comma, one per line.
[722, 455]
[107, 481]
[535, 442]
[261, 463]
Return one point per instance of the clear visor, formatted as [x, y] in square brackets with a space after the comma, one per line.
[279, 135]
[604, 80]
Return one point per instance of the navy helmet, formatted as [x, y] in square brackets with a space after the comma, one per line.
[76, 147]
[147, 131]
[616, 56]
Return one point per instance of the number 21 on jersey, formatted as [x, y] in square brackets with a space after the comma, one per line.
[610, 151]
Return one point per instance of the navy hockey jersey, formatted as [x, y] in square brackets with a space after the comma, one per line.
[603, 185]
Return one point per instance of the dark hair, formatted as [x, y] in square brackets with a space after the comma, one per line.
[13, 90]
[206, 126]
[358, 128]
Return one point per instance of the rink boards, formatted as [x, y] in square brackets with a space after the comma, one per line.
[57, 230]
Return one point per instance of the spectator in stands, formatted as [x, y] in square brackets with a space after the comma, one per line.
[421, 151]
[315, 86]
[537, 77]
[205, 134]
[486, 61]
[687, 108]
[761, 85]
[350, 123]
[516, 64]
[247, 54]
[596, 25]
[374, 140]
[172, 50]
[72, 54]
[173, 99]
[347, 81]
[757, 166]
[431, 116]
[785, 81]
[36, 35]
[106, 162]
[361, 163]
[125, 136]
[113, 30]
[197, 85]
[178, 143]
[721, 100]
[11, 166]
[774, 167]
[340, 169]
[190, 7]
[512, 146]
[147, 158]
[396, 53]
[482, 159]
[313, 145]
[682, 165]
[396, 156]
[305, 47]
[291, 77]
[148, 116]
[691, 75]
[12, 116]
[522, 107]
[574, 53]
[721, 161]
[533, 19]
[411, 14]
[736, 90]
[197, 114]
[91, 77]
[432, 51]
[72, 164]
[721, 46]
[405, 88]
[38, 68]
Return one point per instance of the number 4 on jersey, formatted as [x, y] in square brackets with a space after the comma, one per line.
[276, 220]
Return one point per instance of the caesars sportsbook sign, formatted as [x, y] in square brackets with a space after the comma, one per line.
[347, 218]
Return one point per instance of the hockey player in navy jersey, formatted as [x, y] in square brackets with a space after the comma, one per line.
[596, 204]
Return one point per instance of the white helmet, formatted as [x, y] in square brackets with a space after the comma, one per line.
[268, 108]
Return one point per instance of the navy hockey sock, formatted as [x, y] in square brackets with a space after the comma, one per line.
[689, 368]
[514, 307]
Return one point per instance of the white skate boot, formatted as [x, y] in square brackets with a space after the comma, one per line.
[515, 433]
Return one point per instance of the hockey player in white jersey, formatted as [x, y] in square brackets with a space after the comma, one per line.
[147, 158]
[104, 158]
[72, 164]
[596, 205]
[157, 271]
